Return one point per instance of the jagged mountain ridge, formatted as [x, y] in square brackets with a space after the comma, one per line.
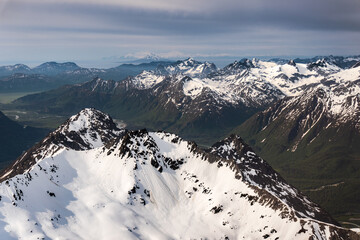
[343, 62]
[191, 68]
[158, 185]
[336, 97]
[315, 136]
[251, 82]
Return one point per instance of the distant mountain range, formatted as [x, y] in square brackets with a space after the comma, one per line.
[191, 98]
[50, 75]
[89, 174]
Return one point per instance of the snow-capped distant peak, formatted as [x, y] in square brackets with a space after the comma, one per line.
[292, 62]
[152, 56]
[189, 61]
[191, 68]
[324, 66]
[238, 66]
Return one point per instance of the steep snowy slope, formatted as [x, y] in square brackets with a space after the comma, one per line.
[100, 182]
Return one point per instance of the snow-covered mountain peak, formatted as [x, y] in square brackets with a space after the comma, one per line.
[191, 68]
[330, 104]
[155, 183]
[86, 130]
[255, 62]
[53, 68]
[94, 127]
[292, 62]
[146, 185]
[321, 62]
[189, 61]
[19, 66]
[323, 66]
[152, 57]
[339, 94]
[237, 66]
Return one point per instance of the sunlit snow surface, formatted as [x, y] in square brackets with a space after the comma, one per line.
[110, 193]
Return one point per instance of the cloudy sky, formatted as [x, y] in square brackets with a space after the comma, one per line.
[33, 31]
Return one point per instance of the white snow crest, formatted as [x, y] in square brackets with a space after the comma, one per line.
[129, 198]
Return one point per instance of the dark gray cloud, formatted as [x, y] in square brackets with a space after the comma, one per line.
[217, 17]
[192, 26]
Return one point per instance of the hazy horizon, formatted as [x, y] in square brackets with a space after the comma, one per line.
[218, 61]
[35, 31]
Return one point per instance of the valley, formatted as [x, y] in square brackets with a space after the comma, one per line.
[9, 97]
